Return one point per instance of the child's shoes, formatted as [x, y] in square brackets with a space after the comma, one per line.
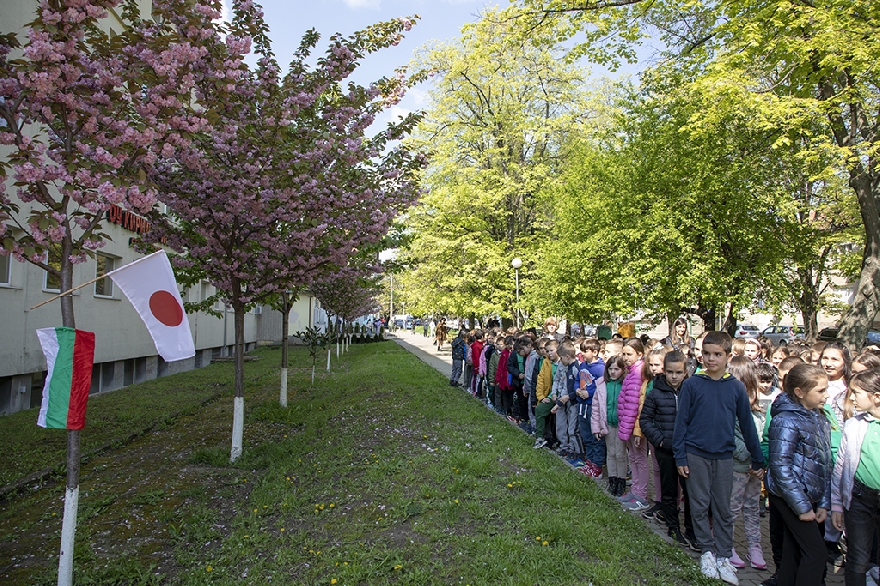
[756, 557]
[736, 562]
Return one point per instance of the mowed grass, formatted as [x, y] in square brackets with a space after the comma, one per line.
[380, 473]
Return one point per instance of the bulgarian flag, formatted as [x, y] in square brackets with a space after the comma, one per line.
[70, 354]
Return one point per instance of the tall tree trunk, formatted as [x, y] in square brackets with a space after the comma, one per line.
[866, 302]
[238, 406]
[808, 303]
[730, 321]
[286, 305]
[71, 492]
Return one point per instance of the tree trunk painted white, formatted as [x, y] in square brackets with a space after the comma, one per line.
[337, 347]
[284, 387]
[68, 533]
[237, 428]
[313, 374]
[328, 359]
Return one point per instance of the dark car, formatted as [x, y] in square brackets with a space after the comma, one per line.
[828, 334]
[832, 335]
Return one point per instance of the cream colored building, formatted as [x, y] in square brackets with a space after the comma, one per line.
[124, 352]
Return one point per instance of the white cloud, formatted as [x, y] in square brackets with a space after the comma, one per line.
[362, 3]
[225, 11]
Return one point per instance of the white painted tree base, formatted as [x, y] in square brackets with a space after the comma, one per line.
[68, 533]
[328, 359]
[237, 428]
[284, 387]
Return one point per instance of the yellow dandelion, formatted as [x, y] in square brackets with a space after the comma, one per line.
[545, 543]
[209, 569]
[538, 538]
[282, 529]
[333, 581]
[332, 505]
[509, 485]
[456, 501]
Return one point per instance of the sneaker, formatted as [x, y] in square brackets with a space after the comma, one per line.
[576, 461]
[709, 565]
[660, 517]
[756, 557]
[636, 504]
[692, 541]
[540, 443]
[626, 497]
[726, 571]
[512, 419]
[677, 537]
[771, 581]
[595, 471]
[735, 560]
[649, 513]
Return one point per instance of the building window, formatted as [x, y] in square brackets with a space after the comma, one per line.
[52, 283]
[105, 264]
[5, 265]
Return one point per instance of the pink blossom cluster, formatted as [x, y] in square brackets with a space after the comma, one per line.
[285, 185]
[88, 114]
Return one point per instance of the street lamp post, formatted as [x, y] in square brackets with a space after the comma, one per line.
[516, 263]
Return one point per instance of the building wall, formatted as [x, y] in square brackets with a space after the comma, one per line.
[124, 350]
[306, 312]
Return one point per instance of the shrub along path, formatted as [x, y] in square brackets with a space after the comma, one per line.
[380, 473]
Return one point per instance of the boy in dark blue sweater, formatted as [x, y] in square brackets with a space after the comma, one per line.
[710, 404]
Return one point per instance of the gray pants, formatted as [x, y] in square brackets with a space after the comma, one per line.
[709, 483]
[567, 428]
[456, 370]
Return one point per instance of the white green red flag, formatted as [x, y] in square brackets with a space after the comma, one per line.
[70, 354]
[150, 286]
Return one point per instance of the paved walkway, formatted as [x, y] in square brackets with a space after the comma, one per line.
[423, 348]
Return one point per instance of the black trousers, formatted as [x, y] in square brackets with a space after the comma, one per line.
[670, 481]
[803, 549]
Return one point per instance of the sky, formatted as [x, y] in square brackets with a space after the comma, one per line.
[441, 20]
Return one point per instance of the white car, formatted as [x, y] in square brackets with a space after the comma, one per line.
[746, 331]
[782, 335]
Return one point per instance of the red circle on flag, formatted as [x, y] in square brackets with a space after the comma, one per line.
[166, 308]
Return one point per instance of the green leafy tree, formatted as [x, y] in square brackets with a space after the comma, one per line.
[498, 116]
[808, 69]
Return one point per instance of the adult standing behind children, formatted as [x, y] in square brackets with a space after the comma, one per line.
[441, 332]
[679, 338]
[710, 404]
[551, 327]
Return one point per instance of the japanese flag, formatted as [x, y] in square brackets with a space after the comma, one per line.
[150, 286]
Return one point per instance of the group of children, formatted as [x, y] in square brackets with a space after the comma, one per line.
[719, 423]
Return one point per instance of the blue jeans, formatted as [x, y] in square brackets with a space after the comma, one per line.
[862, 519]
[594, 449]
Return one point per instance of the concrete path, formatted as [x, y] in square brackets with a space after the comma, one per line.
[423, 348]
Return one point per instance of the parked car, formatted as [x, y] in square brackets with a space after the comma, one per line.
[782, 335]
[828, 334]
[832, 335]
[746, 331]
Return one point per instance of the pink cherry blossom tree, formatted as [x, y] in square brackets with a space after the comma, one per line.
[85, 114]
[286, 182]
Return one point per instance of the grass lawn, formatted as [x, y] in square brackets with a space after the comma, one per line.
[379, 474]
